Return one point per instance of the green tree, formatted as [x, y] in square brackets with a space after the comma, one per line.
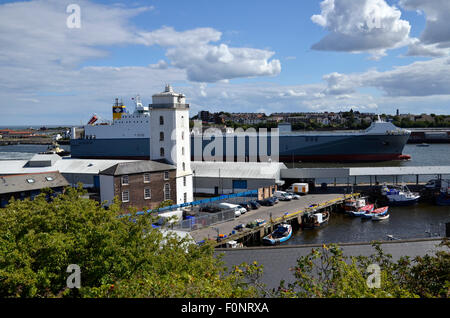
[118, 256]
[326, 272]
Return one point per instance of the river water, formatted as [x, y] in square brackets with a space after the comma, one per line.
[418, 221]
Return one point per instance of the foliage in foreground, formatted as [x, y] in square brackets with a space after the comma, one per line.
[326, 272]
[118, 257]
[127, 257]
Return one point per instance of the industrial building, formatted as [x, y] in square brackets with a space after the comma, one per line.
[216, 178]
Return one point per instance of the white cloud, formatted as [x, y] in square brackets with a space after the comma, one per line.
[422, 78]
[191, 50]
[435, 39]
[370, 26]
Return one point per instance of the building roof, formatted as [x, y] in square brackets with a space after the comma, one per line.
[125, 168]
[241, 170]
[63, 165]
[33, 181]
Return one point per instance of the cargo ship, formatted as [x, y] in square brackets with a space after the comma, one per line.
[128, 137]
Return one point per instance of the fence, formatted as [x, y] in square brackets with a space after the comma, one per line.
[197, 222]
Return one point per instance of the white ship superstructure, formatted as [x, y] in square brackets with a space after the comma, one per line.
[123, 125]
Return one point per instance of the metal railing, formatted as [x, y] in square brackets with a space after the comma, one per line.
[197, 222]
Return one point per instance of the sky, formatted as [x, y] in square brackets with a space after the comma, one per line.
[62, 61]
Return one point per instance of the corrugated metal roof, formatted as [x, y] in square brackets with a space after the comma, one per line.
[365, 171]
[250, 170]
[391, 171]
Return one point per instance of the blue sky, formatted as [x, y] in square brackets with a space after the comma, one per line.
[269, 56]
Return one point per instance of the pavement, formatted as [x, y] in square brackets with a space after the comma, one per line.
[264, 212]
[277, 261]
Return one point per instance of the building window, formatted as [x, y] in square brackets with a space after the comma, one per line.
[161, 152]
[182, 135]
[161, 136]
[125, 196]
[124, 180]
[185, 197]
[184, 166]
[182, 151]
[166, 175]
[49, 178]
[161, 120]
[167, 191]
[30, 180]
[146, 177]
[184, 181]
[147, 193]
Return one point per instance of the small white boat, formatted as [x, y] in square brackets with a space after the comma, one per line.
[380, 217]
[281, 234]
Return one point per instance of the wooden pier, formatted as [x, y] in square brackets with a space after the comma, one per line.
[283, 212]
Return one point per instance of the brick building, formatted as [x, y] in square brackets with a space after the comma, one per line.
[140, 184]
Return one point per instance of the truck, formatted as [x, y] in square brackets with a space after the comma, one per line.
[300, 188]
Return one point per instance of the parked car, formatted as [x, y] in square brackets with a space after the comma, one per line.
[209, 209]
[246, 205]
[275, 199]
[254, 204]
[238, 210]
[294, 196]
[266, 202]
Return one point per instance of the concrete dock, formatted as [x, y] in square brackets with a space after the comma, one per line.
[277, 261]
[284, 211]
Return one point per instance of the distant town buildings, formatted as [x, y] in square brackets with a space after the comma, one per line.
[323, 119]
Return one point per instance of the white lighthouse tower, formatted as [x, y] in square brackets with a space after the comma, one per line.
[170, 139]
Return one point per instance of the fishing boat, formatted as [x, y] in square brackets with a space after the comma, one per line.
[316, 220]
[352, 205]
[377, 212]
[400, 195]
[365, 209]
[281, 234]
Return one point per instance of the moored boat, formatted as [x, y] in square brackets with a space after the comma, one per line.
[316, 220]
[281, 234]
[352, 205]
[377, 212]
[380, 217]
[400, 195]
[365, 209]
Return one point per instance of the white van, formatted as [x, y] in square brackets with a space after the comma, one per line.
[282, 196]
[238, 210]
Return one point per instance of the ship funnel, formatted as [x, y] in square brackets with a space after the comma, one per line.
[118, 109]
